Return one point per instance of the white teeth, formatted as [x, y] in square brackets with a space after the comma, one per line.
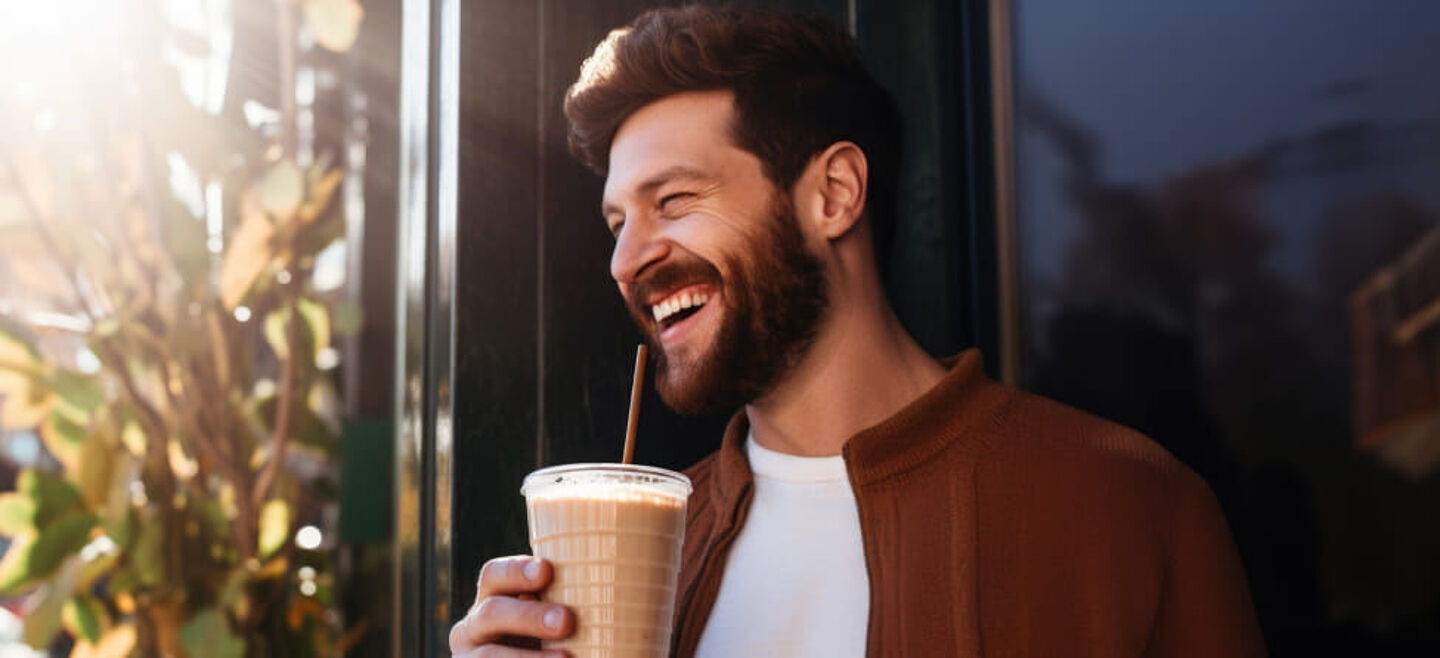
[676, 303]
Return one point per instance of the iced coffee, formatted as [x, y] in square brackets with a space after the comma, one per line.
[613, 533]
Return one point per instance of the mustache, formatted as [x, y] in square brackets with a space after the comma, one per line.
[670, 276]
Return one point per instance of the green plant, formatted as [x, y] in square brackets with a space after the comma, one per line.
[167, 529]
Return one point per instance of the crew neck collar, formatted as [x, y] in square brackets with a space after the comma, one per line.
[786, 467]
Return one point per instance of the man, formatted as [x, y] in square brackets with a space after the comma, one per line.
[868, 500]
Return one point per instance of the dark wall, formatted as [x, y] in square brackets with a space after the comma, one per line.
[544, 349]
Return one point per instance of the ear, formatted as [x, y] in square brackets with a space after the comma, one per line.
[839, 176]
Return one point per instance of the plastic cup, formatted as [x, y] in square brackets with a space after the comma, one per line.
[613, 533]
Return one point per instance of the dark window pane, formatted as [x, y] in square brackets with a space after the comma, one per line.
[1228, 222]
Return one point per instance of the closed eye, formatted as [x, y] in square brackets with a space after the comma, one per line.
[667, 202]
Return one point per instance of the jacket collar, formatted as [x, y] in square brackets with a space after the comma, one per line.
[927, 425]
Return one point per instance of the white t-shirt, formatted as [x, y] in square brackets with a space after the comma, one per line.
[795, 582]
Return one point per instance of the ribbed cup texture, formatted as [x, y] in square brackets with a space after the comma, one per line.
[616, 557]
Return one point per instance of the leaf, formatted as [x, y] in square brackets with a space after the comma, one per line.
[302, 607]
[29, 560]
[314, 334]
[335, 23]
[324, 403]
[82, 393]
[349, 318]
[17, 514]
[118, 643]
[351, 638]
[24, 406]
[247, 255]
[54, 497]
[64, 438]
[147, 556]
[211, 517]
[123, 470]
[104, 565]
[208, 634]
[307, 428]
[317, 319]
[281, 190]
[273, 570]
[133, 437]
[121, 529]
[15, 573]
[85, 618]
[276, 325]
[181, 463]
[93, 468]
[322, 191]
[320, 233]
[43, 620]
[24, 399]
[234, 586]
[274, 527]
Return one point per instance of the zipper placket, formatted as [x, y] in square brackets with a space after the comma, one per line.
[871, 559]
[708, 577]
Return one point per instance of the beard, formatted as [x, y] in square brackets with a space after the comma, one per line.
[774, 303]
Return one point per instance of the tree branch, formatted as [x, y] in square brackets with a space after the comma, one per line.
[288, 374]
[156, 453]
[32, 209]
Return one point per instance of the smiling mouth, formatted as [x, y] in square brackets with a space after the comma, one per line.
[677, 307]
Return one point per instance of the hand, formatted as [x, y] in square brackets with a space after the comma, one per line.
[505, 609]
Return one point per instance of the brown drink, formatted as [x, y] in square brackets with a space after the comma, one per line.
[613, 533]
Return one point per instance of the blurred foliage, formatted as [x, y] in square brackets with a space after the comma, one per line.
[167, 529]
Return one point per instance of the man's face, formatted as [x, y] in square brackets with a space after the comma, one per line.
[708, 255]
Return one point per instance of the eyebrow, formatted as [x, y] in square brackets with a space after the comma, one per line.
[656, 180]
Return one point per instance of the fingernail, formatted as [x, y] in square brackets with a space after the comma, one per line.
[532, 570]
[554, 618]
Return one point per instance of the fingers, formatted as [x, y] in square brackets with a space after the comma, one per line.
[498, 616]
[518, 574]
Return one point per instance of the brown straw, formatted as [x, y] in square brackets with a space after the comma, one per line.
[634, 405]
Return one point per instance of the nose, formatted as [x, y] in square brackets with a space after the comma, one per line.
[636, 248]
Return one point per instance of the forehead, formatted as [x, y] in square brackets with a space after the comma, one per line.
[690, 130]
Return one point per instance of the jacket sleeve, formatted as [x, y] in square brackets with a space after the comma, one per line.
[1204, 607]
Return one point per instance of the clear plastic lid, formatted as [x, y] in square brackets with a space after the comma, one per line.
[605, 480]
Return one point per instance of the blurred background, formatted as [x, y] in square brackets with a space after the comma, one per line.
[294, 292]
[197, 209]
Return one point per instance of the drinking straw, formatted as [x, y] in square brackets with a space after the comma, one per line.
[635, 389]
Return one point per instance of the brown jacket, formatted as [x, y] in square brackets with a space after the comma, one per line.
[998, 523]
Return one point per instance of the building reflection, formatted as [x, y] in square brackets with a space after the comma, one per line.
[1177, 307]
[1396, 319]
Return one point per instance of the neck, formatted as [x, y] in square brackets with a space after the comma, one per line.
[863, 368]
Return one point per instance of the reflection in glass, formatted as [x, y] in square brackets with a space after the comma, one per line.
[1227, 214]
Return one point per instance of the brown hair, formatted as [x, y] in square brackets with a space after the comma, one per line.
[797, 78]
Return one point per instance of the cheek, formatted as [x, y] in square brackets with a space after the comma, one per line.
[713, 237]
[706, 226]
